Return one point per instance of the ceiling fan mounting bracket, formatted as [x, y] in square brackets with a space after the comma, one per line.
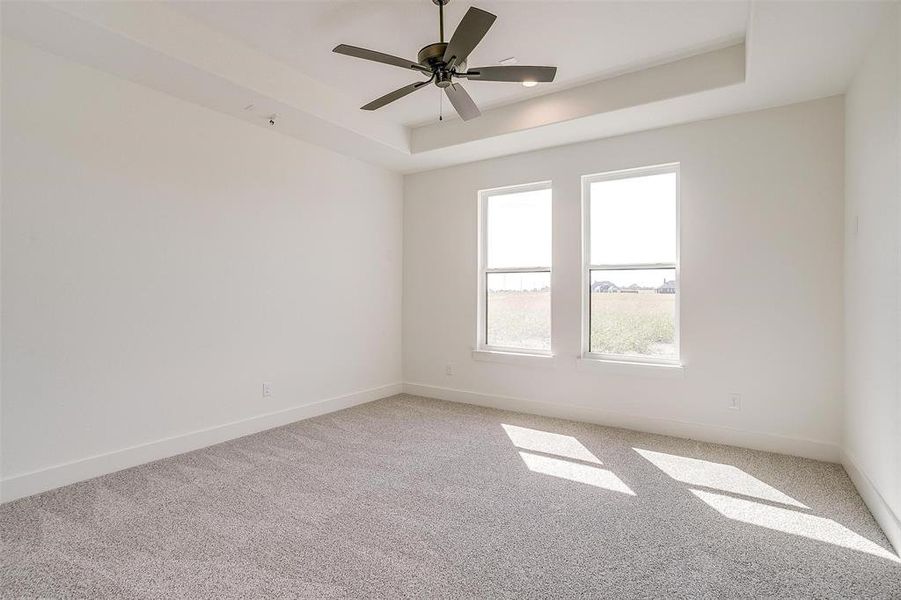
[441, 2]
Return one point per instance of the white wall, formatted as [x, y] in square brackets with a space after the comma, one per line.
[872, 425]
[160, 261]
[761, 282]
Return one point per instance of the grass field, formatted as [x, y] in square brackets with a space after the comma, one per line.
[633, 324]
[640, 324]
[520, 319]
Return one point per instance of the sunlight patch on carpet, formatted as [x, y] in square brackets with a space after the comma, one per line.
[793, 522]
[549, 443]
[714, 475]
[578, 472]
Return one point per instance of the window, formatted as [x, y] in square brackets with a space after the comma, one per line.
[515, 269]
[631, 276]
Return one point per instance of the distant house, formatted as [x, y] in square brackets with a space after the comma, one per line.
[604, 287]
[668, 287]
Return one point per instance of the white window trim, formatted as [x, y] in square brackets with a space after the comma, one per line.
[482, 345]
[626, 368]
[587, 267]
[515, 358]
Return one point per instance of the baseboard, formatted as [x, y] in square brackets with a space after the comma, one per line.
[56, 476]
[880, 509]
[685, 429]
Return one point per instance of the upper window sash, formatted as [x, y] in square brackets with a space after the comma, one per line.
[631, 266]
[506, 249]
[626, 223]
[519, 270]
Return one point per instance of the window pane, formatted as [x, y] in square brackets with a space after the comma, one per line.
[519, 310]
[519, 229]
[633, 220]
[633, 312]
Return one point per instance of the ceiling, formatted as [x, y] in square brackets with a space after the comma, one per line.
[586, 40]
[622, 66]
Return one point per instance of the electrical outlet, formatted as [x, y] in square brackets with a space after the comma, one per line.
[735, 401]
[449, 369]
[267, 389]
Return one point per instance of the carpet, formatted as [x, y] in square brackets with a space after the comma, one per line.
[410, 497]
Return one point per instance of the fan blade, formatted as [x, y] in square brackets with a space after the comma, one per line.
[469, 33]
[395, 95]
[379, 57]
[512, 73]
[462, 102]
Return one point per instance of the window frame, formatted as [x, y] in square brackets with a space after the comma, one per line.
[483, 270]
[588, 267]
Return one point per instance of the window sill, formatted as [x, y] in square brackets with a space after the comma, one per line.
[635, 369]
[515, 358]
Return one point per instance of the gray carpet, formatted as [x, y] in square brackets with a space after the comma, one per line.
[410, 497]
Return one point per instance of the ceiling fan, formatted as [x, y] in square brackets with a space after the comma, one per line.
[444, 61]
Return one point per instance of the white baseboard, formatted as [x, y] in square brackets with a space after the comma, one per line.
[717, 434]
[880, 509]
[56, 476]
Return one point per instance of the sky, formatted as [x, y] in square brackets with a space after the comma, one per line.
[632, 221]
[519, 229]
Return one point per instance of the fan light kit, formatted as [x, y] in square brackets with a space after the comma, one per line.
[445, 61]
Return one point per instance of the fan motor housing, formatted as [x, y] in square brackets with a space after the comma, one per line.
[432, 55]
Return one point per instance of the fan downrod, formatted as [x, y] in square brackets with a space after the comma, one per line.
[432, 56]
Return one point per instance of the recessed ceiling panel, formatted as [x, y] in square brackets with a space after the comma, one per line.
[586, 40]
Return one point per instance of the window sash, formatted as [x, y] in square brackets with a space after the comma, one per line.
[588, 267]
[632, 266]
[511, 349]
[636, 358]
[482, 300]
[518, 270]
